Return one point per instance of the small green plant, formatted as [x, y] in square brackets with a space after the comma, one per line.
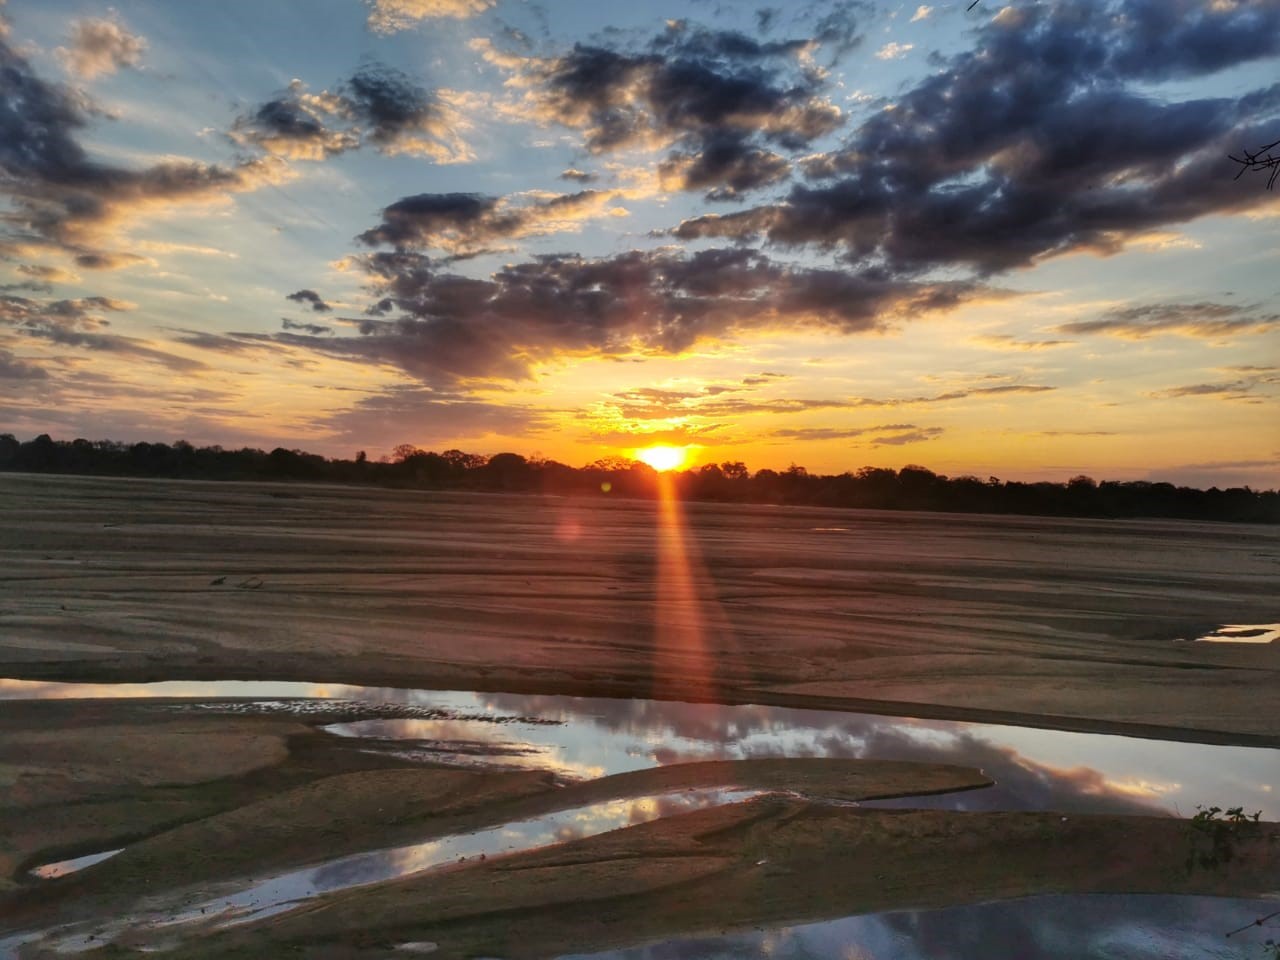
[1214, 834]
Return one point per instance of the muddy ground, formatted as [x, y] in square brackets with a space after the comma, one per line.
[1065, 623]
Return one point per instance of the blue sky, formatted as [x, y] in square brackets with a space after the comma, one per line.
[1002, 241]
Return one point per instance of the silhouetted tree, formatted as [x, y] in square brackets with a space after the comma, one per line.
[914, 487]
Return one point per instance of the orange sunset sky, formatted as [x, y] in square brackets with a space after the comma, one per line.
[1002, 241]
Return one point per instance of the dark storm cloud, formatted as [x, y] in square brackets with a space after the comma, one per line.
[449, 326]
[1037, 142]
[377, 106]
[462, 223]
[310, 296]
[62, 198]
[1201, 320]
[722, 102]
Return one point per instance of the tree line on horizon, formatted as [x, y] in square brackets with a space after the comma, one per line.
[911, 488]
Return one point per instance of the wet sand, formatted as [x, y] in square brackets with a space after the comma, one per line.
[210, 799]
[1051, 622]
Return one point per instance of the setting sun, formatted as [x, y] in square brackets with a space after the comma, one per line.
[663, 458]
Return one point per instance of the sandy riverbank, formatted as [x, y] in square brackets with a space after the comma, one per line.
[1061, 623]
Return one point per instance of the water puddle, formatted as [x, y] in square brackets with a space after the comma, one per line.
[583, 738]
[51, 871]
[1243, 633]
[166, 929]
[1082, 927]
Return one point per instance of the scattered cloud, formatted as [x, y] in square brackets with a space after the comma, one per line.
[721, 103]
[992, 164]
[466, 222]
[426, 418]
[17, 368]
[82, 323]
[315, 329]
[392, 16]
[894, 50]
[377, 106]
[999, 390]
[922, 13]
[1203, 320]
[911, 436]
[61, 199]
[44, 273]
[448, 327]
[100, 47]
[1004, 341]
[1244, 388]
[312, 298]
[891, 432]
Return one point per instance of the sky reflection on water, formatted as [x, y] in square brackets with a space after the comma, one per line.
[1035, 769]
[1079, 927]
[166, 929]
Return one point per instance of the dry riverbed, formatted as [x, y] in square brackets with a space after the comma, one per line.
[220, 828]
[1075, 624]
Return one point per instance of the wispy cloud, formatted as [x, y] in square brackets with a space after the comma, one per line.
[1204, 320]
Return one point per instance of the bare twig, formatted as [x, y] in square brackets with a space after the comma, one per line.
[1260, 159]
[1256, 923]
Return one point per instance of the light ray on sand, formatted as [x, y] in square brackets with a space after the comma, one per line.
[683, 659]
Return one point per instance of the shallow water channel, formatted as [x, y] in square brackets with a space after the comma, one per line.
[583, 738]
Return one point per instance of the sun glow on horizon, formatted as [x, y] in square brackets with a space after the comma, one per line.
[663, 458]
